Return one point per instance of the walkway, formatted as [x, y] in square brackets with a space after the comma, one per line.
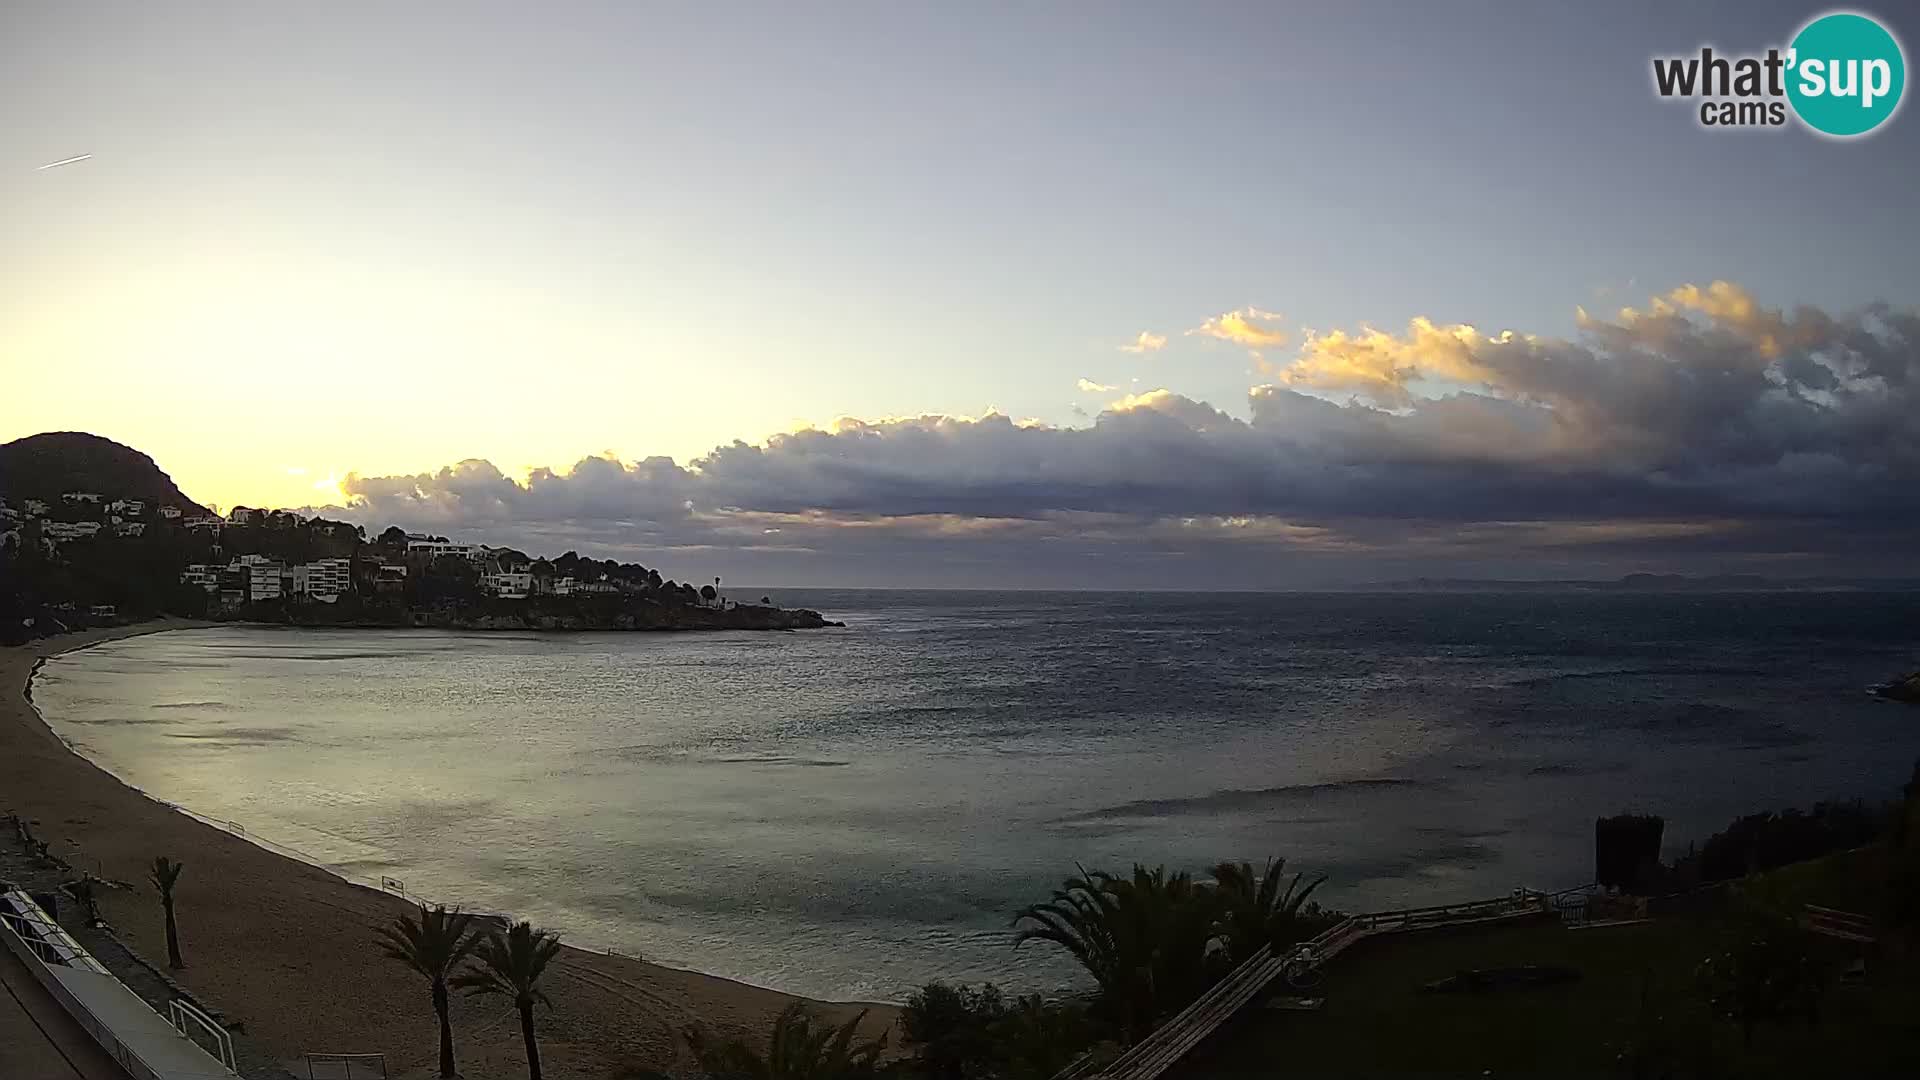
[38, 1038]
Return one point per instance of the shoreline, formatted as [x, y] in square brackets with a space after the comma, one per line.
[259, 925]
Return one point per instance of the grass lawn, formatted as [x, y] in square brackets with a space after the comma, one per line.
[1377, 1021]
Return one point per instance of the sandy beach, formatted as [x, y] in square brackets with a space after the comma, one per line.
[286, 949]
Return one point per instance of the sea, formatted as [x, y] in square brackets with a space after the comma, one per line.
[850, 813]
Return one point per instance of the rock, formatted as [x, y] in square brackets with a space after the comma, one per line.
[1905, 689]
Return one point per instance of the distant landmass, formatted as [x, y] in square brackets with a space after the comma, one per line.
[1656, 583]
[94, 533]
[48, 465]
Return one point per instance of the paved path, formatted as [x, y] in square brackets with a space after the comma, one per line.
[38, 1040]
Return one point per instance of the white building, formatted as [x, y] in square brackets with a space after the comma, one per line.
[69, 530]
[324, 580]
[508, 585]
[201, 574]
[130, 507]
[239, 515]
[263, 576]
[434, 549]
[208, 522]
[35, 507]
[82, 497]
[129, 528]
[553, 586]
[170, 512]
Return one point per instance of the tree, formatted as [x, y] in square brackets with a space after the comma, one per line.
[1262, 911]
[510, 965]
[433, 945]
[165, 873]
[801, 1047]
[1039, 1038]
[950, 1029]
[1149, 941]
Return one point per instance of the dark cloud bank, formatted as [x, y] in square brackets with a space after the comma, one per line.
[1703, 433]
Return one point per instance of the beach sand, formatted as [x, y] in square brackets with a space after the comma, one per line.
[287, 950]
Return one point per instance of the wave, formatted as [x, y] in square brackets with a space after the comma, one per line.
[1235, 800]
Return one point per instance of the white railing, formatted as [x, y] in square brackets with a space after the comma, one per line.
[181, 1012]
[21, 913]
[368, 1063]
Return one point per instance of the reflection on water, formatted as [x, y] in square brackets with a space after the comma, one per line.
[848, 813]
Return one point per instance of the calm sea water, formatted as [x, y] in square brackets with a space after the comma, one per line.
[849, 813]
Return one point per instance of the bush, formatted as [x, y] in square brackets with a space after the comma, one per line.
[1626, 850]
[1767, 840]
[964, 1033]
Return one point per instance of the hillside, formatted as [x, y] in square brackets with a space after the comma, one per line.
[45, 465]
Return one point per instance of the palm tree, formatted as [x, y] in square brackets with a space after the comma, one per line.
[1148, 940]
[165, 873]
[802, 1047]
[510, 965]
[433, 945]
[1260, 911]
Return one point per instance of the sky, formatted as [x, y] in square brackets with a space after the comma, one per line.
[1197, 295]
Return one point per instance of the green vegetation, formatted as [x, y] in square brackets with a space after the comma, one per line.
[165, 874]
[962, 1033]
[433, 945]
[800, 1047]
[510, 965]
[1155, 941]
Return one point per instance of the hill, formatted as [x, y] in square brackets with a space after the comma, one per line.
[45, 465]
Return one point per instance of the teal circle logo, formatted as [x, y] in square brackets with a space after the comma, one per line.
[1845, 74]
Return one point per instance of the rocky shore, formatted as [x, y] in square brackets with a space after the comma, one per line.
[1905, 689]
[545, 617]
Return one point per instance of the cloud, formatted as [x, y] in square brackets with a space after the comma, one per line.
[1247, 326]
[1088, 386]
[1147, 342]
[1701, 426]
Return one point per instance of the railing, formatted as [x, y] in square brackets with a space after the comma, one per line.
[1186, 1029]
[368, 1063]
[46, 939]
[1834, 923]
[181, 1012]
[27, 914]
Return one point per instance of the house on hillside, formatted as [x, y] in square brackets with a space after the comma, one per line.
[34, 507]
[507, 585]
[129, 507]
[169, 512]
[433, 549]
[77, 497]
[69, 530]
[129, 528]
